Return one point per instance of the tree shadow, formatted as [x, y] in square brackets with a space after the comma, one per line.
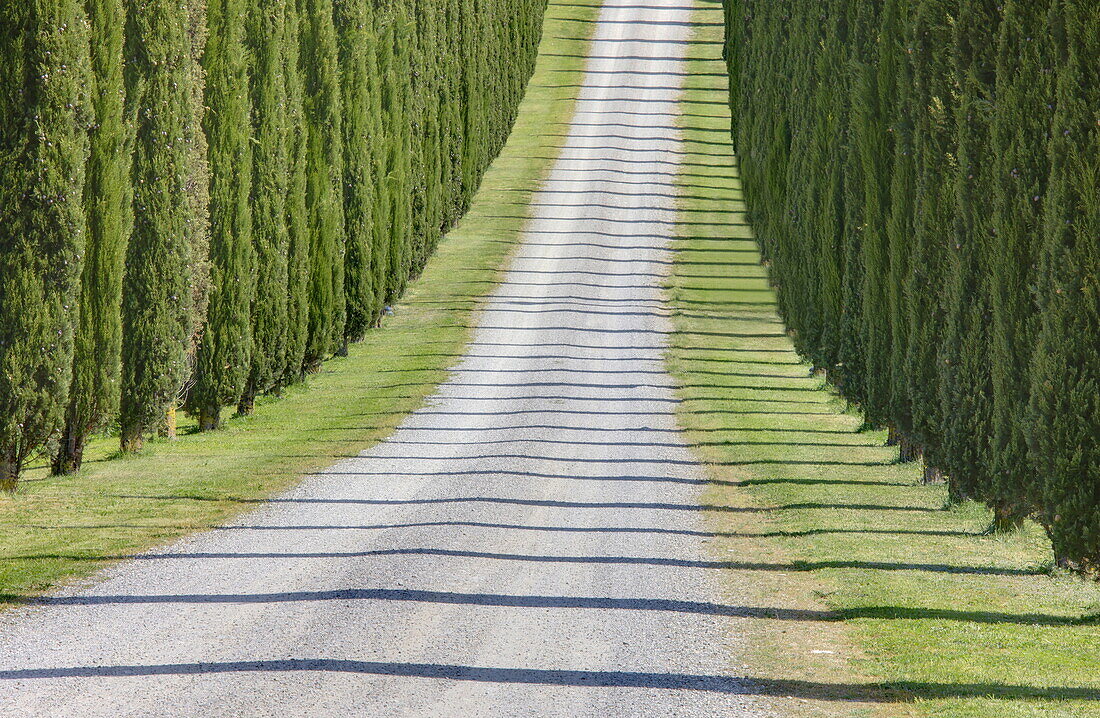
[850, 692]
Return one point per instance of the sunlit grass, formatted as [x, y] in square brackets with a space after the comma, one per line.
[901, 604]
[57, 529]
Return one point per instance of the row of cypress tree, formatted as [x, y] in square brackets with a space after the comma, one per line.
[201, 200]
[924, 178]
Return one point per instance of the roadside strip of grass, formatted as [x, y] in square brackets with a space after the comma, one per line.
[865, 593]
[59, 529]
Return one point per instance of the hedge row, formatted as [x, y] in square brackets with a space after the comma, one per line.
[201, 200]
[924, 178]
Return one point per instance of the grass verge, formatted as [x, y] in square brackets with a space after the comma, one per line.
[867, 593]
[59, 529]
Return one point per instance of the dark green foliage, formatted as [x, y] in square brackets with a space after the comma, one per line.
[1064, 421]
[932, 241]
[965, 379]
[933, 212]
[355, 32]
[45, 79]
[397, 114]
[223, 360]
[93, 396]
[324, 179]
[157, 299]
[297, 215]
[267, 42]
[874, 104]
[1020, 133]
[198, 180]
[263, 181]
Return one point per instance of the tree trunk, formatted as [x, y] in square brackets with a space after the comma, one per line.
[954, 493]
[892, 436]
[9, 475]
[932, 475]
[71, 452]
[210, 418]
[1006, 519]
[907, 450]
[247, 405]
[131, 439]
[167, 429]
[343, 350]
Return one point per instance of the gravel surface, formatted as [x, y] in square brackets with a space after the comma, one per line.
[528, 544]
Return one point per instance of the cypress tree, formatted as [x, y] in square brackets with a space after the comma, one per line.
[198, 185]
[1020, 131]
[897, 20]
[93, 397]
[474, 134]
[324, 180]
[846, 338]
[157, 295]
[267, 38]
[1064, 419]
[875, 143]
[398, 169]
[45, 74]
[222, 363]
[388, 158]
[933, 210]
[355, 33]
[297, 214]
[450, 106]
[965, 381]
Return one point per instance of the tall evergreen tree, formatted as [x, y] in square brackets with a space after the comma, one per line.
[267, 38]
[297, 213]
[1020, 131]
[965, 380]
[355, 33]
[933, 210]
[223, 362]
[45, 76]
[897, 21]
[872, 112]
[157, 300]
[398, 169]
[1064, 419]
[198, 186]
[93, 397]
[324, 179]
[858, 23]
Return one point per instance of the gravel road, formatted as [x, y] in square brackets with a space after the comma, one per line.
[528, 544]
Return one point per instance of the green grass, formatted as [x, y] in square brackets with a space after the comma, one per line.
[59, 529]
[880, 598]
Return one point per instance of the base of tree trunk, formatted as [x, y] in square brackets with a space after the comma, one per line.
[955, 494]
[343, 350]
[247, 405]
[131, 440]
[70, 454]
[907, 450]
[209, 419]
[1006, 520]
[893, 438]
[9, 476]
[932, 475]
[167, 429]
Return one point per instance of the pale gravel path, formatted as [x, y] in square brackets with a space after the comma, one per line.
[526, 545]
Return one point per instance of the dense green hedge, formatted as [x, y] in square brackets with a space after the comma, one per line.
[201, 200]
[924, 178]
